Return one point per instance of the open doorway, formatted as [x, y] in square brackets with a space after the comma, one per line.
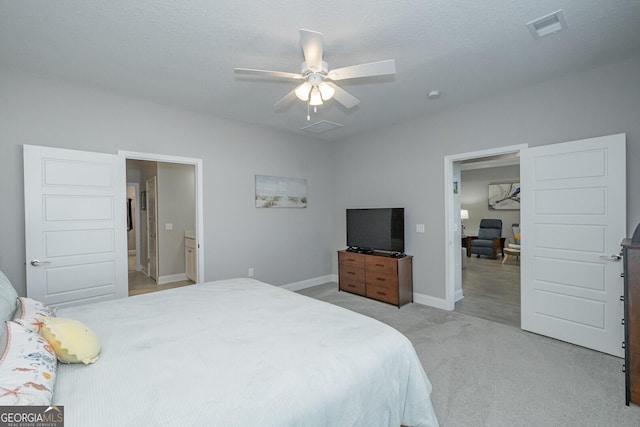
[166, 215]
[490, 286]
[453, 228]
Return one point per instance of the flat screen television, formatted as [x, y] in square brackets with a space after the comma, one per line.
[376, 229]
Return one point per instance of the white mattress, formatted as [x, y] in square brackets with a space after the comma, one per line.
[241, 353]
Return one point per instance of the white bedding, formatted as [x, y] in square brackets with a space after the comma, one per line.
[241, 353]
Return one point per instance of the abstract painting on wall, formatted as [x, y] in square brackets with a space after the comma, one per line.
[280, 192]
[504, 196]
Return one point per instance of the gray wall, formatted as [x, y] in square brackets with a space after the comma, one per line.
[474, 195]
[176, 205]
[397, 166]
[282, 245]
[403, 165]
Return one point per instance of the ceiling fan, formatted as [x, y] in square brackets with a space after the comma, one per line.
[317, 85]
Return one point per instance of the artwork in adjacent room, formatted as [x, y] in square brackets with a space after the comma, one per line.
[280, 192]
[504, 196]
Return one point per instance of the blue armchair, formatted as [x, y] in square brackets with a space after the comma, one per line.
[489, 240]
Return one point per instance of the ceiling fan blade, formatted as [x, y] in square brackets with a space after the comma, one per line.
[311, 42]
[268, 73]
[379, 68]
[285, 100]
[344, 97]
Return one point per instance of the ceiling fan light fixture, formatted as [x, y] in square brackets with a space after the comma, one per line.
[316, 97]
[302, 91]
[326, 91]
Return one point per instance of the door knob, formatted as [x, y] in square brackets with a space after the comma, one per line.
[37, 262]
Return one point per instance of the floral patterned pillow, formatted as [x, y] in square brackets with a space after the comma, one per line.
[31, 313]
[27, 367]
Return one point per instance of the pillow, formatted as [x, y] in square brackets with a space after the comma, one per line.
[72, 341]
[31, 313]
[516, 237]
[27, 368]
[8, 298]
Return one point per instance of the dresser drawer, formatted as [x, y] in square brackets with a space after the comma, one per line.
[353, 287]
[352, 274]
[351, 259]
[382, 280]
[383, 293]
[375, 265]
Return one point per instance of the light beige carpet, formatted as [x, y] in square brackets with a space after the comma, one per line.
[489, 374]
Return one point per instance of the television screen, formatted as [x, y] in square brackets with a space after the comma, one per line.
[376, 229]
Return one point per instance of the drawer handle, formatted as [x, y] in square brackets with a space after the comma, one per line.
[380, 279]
[351, 272]
[350, 259]
[351, 286]
[379, 265]
[381, 293]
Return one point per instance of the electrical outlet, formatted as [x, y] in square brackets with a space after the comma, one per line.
[250, 272]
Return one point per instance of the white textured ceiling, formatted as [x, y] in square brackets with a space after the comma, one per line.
[182, 53]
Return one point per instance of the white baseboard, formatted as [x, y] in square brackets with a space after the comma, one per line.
[458, 296]
[296, 286]
[172, 278]
[417, 298]
[423, 299]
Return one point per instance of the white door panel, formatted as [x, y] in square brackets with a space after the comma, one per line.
[74, 226]
[573, 219]
[78, 242]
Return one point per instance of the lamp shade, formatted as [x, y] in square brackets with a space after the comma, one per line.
[464, 214]
[315, 97]
[302, 91]
[326, 91]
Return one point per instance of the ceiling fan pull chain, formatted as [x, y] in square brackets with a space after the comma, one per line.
[308, 116]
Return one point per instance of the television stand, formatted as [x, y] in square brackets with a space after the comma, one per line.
[379, 276]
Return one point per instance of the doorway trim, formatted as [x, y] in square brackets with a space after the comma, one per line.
[452, 217]
[197, 163]
[137, 221]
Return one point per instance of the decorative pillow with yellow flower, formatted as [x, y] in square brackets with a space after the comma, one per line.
[27, 367]
[31, 313]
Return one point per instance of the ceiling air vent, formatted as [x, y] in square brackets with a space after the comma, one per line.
[548, 24]
[321, 127]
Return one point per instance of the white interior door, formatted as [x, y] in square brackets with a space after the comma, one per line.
[573, 220]
[152, 227]
[75, 226]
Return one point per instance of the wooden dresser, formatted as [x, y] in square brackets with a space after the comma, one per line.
[631, 255]
[377, 276]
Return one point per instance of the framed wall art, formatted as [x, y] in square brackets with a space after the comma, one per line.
[280, 192]
[504, 196]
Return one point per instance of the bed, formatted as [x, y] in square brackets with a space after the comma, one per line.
[241, 352]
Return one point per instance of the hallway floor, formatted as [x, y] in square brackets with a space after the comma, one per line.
[491, 290]
[140, 283]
